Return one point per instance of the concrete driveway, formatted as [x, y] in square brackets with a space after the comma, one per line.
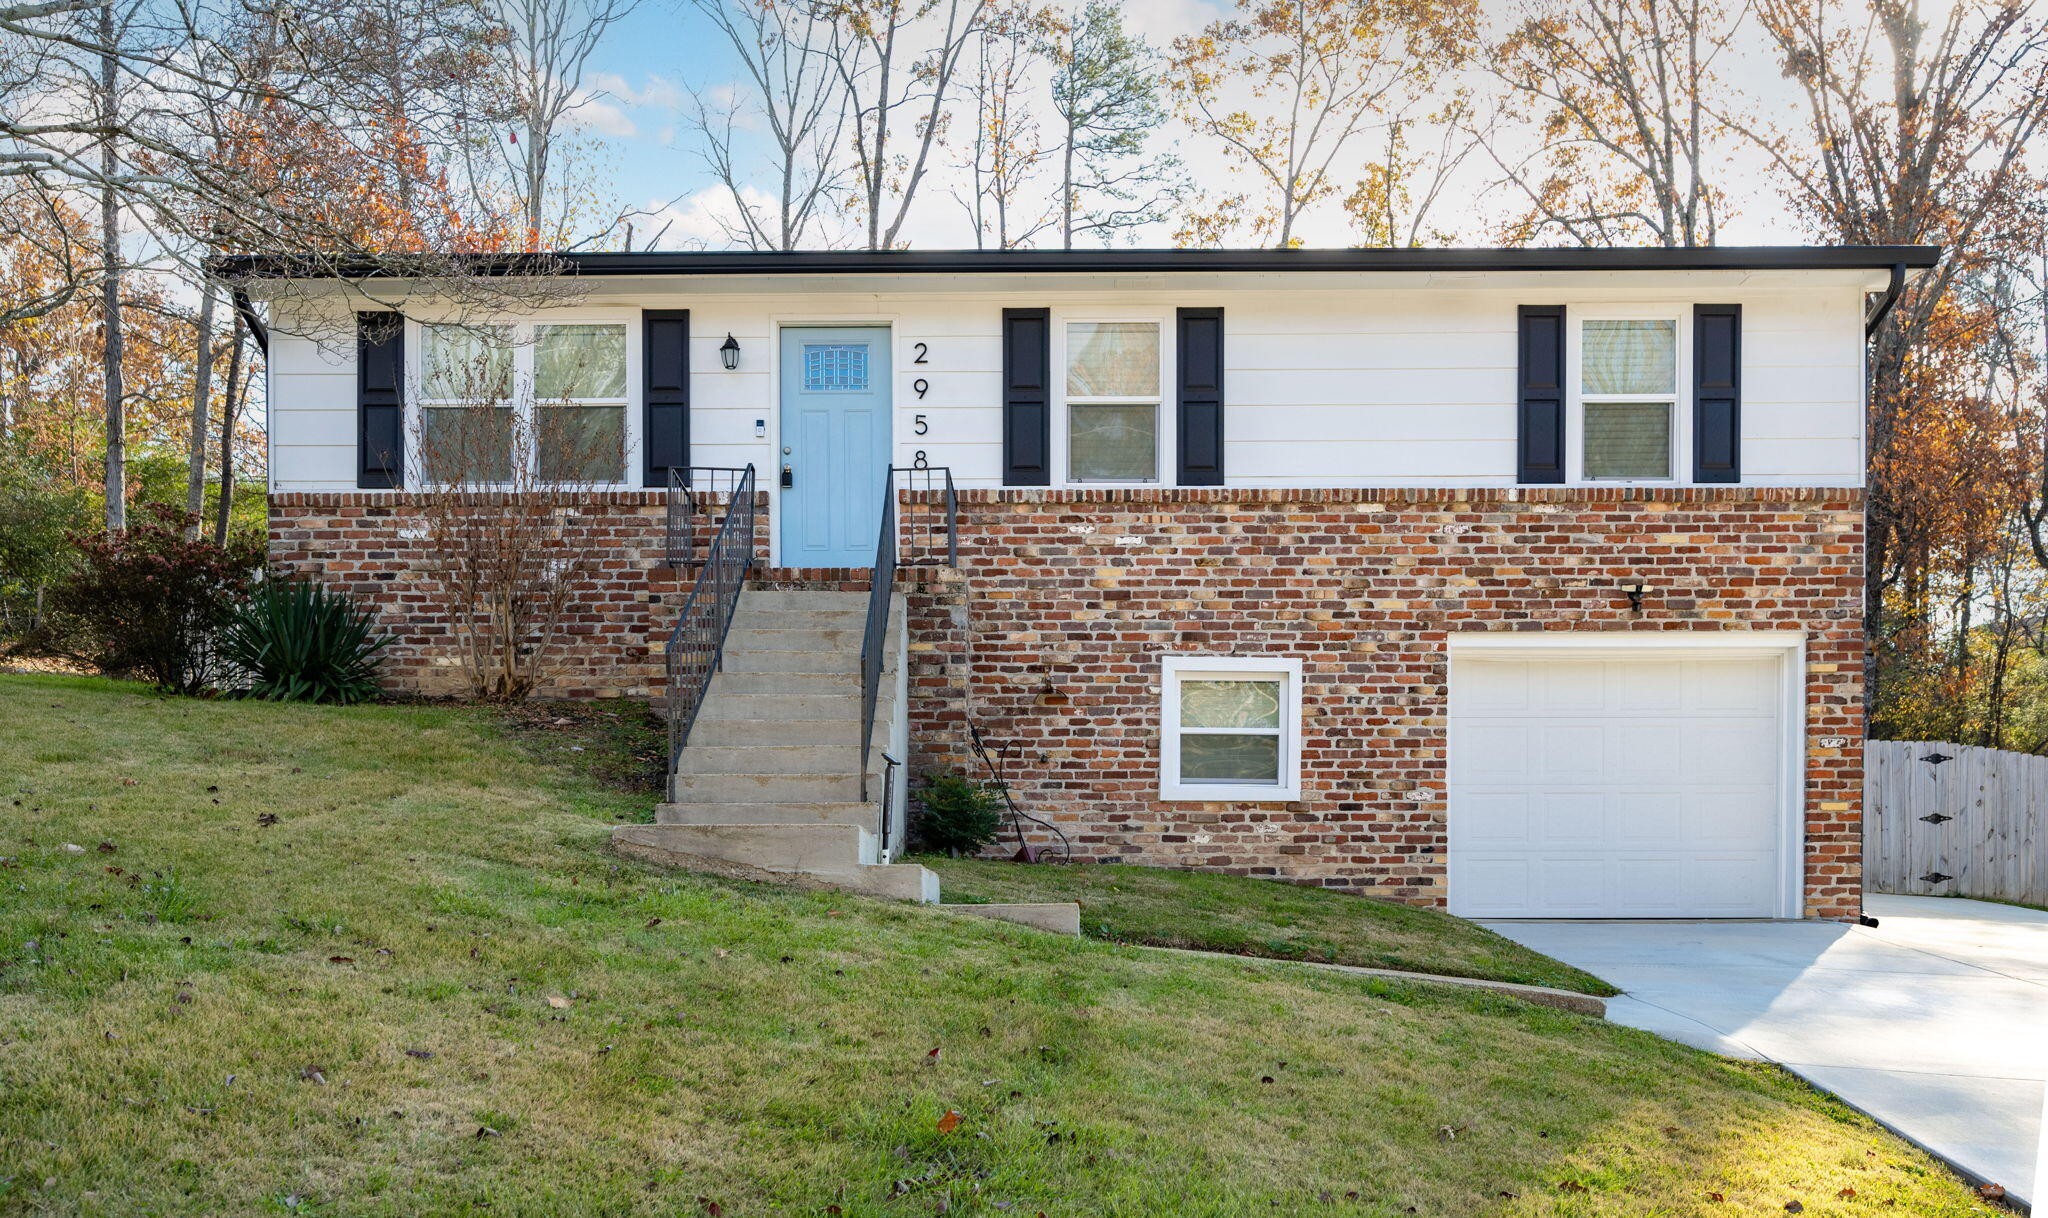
[1935, 1022]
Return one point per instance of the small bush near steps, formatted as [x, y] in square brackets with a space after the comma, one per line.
[294, 641]
[960, 815]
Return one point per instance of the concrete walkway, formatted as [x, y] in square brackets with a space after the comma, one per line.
[1935, 1022]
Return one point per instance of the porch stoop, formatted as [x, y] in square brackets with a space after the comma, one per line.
[769, 783]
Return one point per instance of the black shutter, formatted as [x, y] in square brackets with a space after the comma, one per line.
[1539, 412]
[665, 392]
[1027, 397]
[380, 401]
[1201, 397]
[1717, 393]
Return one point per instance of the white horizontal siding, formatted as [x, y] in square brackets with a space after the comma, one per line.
[1392, 385]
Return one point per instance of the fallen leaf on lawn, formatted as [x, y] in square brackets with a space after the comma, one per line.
[1991, 1192]
[720, 952]
[1505, 1195]
[1570, 1186]
[127, 782]
[1716, 1197]
[73, 848]
[1846, 1193]
[267, 819]
[949, 1122]
[711, 1207]
[558, 1002]
[106, 847]
[1449, 1133]
[341, 959]
[1793, 1207]
[653, 922]
[933, 1055]
[422, 1054]
[1265, 1078]
[313, 1074]
[485, 1131]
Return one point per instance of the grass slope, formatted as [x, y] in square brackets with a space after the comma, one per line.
[1246, 917]
[426, 987]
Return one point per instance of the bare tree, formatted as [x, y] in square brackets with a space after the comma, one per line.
[1618, 95]
[787, 50]
[897, 64]
[548, 45]
[1911, 131]
[1008, 148]
[1288, 85]
[507, 554]
[110, 267]
[1106, 96]
[202, 395]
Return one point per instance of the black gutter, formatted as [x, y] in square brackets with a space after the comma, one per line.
[257, 330]
[1890, 298]
[954, 262]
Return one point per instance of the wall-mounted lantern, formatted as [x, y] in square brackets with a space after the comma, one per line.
[729, 354]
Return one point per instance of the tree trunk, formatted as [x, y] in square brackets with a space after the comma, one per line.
[202, 393]
[227, 438]
[110, 288]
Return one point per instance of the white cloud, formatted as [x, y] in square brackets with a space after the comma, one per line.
[595, 112]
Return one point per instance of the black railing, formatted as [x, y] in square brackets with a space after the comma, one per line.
[875, 639]
[693, 490]
[931, 515]
[697, 645]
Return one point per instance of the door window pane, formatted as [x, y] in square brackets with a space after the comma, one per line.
[580, 443]
[1628, 439]
[1113, 359]
[1630, 357]
[466, 363]
[571, 362]
[1113, 443]
[1226, 758]
[835, 367]
[1229, 703]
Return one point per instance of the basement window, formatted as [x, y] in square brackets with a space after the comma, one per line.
[1230, 729]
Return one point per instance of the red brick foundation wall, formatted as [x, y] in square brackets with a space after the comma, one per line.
[1051, 633]
[372, 545]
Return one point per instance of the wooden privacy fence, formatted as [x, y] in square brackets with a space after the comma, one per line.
[1954, 820]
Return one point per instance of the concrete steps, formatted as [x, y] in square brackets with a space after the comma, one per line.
[769, 784]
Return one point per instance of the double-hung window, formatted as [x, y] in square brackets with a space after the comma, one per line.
[1112, 398]
[1230, 729]
[550, 397]
[1628, 398]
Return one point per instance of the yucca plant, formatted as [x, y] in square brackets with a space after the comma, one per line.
[295, 641]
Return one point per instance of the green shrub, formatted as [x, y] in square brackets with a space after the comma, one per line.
[38, 510]
[295, 641]
[959, 815]
[151, 601]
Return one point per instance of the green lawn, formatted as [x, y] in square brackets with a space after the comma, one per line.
[425, 986]
[1245, 917]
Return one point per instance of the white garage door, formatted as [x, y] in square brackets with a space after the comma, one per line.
[1618, 787]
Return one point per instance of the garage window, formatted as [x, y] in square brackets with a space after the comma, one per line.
[1230, 729]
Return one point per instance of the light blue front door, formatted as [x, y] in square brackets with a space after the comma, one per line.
[835, 444]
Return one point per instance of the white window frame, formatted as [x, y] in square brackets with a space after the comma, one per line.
[1062, 425]
[1176, 668]
[525, 342]
[1680, 395]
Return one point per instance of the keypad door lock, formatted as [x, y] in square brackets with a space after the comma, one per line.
[788, 477]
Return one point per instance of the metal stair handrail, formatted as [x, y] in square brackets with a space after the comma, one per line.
[696, 647]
